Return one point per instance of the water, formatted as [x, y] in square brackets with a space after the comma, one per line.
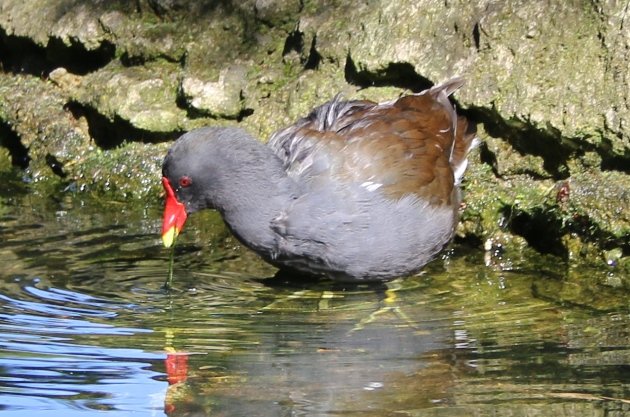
[86, 329]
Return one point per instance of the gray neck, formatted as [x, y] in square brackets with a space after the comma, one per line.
[252, 192]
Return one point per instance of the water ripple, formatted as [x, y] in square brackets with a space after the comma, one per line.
[86, 327]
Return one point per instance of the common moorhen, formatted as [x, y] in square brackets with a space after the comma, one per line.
[355, 191]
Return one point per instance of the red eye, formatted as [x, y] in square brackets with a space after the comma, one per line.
[185, 181]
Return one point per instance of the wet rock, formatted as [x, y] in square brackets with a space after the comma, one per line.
[71, 22]
[221, 98]
[145, 96]
[278, 12]
[65, 80]
[5, 159]
[603, 198]
[36, 114]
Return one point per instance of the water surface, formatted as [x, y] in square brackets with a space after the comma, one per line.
[86, 328]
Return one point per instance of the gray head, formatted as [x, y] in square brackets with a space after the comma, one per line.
[206, 163]
[228, 170]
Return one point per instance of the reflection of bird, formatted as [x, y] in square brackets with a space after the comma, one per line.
[355, 191]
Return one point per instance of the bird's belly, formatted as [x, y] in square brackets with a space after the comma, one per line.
[378, 245]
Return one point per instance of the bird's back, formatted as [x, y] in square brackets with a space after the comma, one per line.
[379, 185]
[412, 145]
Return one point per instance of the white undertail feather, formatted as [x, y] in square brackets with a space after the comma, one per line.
[442, 92]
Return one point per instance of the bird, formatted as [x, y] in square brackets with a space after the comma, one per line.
[356, 191]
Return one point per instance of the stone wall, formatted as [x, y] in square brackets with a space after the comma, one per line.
[92, 92]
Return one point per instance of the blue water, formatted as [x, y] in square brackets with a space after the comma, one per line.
[86, 329]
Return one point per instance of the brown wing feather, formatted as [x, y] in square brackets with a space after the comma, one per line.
[411, 145]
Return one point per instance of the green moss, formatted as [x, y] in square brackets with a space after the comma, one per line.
[131, 171]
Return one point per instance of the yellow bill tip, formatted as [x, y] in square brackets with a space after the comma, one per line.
[168, 237]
